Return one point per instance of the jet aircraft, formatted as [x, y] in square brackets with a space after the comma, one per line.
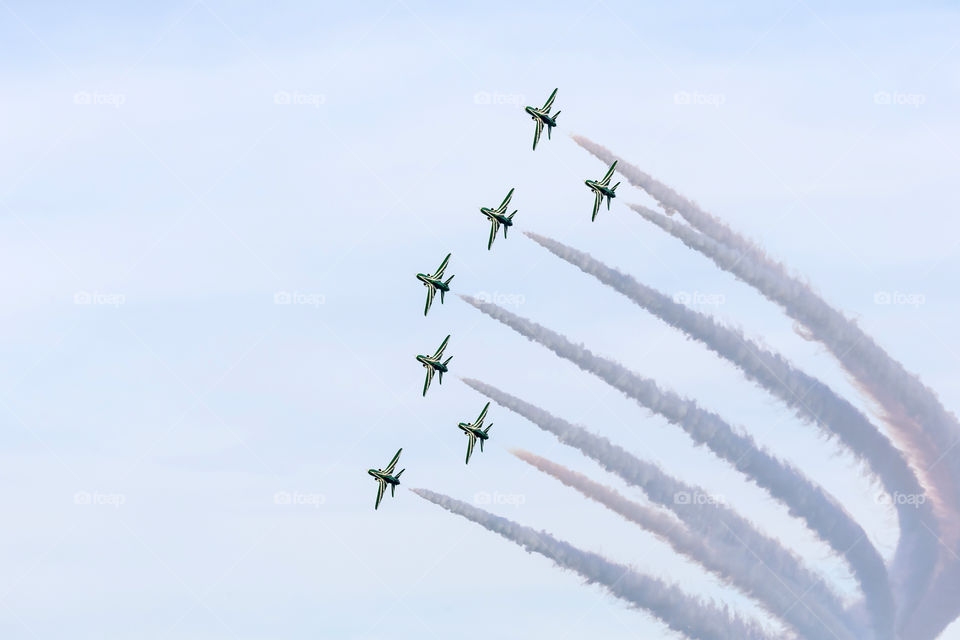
[498, 217]
[385, 477]
[435, 283]
[475, 431]
[432, 364]
[601, 189]
[542, 118]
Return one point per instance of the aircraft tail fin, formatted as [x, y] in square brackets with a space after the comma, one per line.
[447, 360]
[446, 284]
[399, 474]
[393, 489]
[481, 444]
[550, 129]
[487, 430]
[510, 217]
[615, 187]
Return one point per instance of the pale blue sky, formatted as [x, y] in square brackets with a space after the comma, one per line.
[151, 162]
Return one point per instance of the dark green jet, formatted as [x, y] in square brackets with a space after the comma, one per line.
[432, 363]
[498, 217]
[543, 118]
[435, 283]
[601, 189]
[475, 431]
[385, 477]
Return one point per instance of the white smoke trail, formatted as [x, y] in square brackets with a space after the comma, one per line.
[722, 560]
[822, 514]
[919, 420]
[921, 443]
[812, 400]
[718, 524]
[681, 612]
[899, 392]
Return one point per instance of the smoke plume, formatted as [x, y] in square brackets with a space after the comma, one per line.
[678, 610]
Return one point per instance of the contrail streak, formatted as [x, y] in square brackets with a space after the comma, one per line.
[822, 514]
[899, 392]
[722, 560]
[678, 610]
[719, 524]
[834, 331]
[920, 422]
[812, 401]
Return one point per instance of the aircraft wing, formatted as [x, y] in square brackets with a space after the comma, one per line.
[483, 414]
[470, 442]
[537, 132]
[494, 227]
[426, 383]
[393, 463]
[380, 489]
[443, 345]
[597, 199]
[443, 265]
[549, 102]
[506, 202]
[606, 178]
[431, 291]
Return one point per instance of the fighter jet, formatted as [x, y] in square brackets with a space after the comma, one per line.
[498, 217]
[475, 431]
[385, 477]
[432, 363]
[435, 283]
[542, 117]
[600, 189]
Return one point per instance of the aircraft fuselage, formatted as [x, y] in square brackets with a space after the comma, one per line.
[601, 189]
[466, 428]
[502, 219]
[430, 362]
[377, 473]
[428, 280]
[542, 117]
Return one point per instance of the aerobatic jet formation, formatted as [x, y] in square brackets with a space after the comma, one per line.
[435, 283]
[542, 118]
[498, 217]
[602, 189]
[385, 477]
[475, 431]
[432, 364]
